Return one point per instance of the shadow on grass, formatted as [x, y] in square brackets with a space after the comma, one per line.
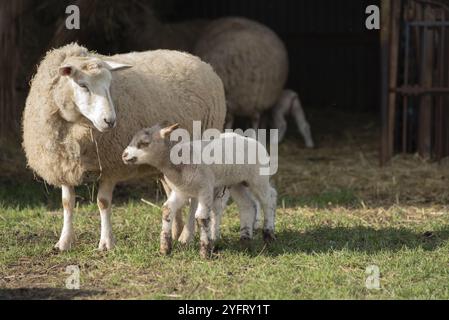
[46, 294]
[356, 239]
[31, 194]
[327, 199]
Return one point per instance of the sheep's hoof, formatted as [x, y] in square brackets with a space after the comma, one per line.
[65, 243]
[268, 236]
[185, 238]
[245, 242]
[206, 250]
[258, 226]
[310, 146]
[106, 244]
[166, 244]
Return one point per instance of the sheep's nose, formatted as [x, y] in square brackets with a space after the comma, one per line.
[110, 123]
[130, 160]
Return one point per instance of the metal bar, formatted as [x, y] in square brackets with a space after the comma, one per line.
[406, 81]
[393, 80]
[419, 91]
[439, 112]
[425, 107]
[385, 64]
[429, 24]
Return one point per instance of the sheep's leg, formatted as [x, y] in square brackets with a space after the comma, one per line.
[220, 201]
[67, 234]
[229, 121]
[189, 228]
[263, 123]
[267, 197]
[301, 121]
[174, 203]
[247, 209]
[104, 201]
[255, 121]
[178, 222]
[280, 110]
[202, 215]
[280, 124]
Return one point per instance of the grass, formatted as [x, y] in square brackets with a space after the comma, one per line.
[338, 214]
[320, 254]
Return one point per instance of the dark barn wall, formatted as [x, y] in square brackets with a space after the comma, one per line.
[334, 59]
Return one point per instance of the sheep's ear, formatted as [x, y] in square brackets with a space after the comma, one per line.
[165, 132]
[114, 66]
[67, 70]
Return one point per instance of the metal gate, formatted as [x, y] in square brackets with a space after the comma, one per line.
[415, 78]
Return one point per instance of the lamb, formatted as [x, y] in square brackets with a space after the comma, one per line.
[252, 62]
[289, 104]
[202, 180]
[83, 108]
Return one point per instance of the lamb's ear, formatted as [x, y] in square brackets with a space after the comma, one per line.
[114, 66]
[165, 132]
[67, 70]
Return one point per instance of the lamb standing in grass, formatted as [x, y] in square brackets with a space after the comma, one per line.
[82, 111]
[202, 181]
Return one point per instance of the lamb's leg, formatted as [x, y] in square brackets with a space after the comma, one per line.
[169, 209]
[202, 215]
[178, 222]
[263, 123]
[280, 111]
[301, 121]
[229, 121]
[67, 234]
[189, 228]
[247, 209]
[267, 197]
[220, 201]
[104, 201]
[255, 121]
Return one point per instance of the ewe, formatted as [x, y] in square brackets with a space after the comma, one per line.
[81, 113]
[252, 62]
[202, 180]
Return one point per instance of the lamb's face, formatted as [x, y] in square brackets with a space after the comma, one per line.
[149, 146]
[89, 81]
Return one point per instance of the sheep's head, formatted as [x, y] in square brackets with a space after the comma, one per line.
[149, 146]
[84, 91]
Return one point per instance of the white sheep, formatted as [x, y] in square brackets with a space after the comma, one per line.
[202, 179]
[81, 113]
[252, 62]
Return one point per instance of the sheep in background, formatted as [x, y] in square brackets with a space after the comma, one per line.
[252, 62]
[81, 113]
[201, 181]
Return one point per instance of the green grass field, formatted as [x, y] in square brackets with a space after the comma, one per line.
[320, 254]
[338, 214]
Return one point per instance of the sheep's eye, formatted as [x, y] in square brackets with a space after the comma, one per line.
[83, 86]
[142, 145]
